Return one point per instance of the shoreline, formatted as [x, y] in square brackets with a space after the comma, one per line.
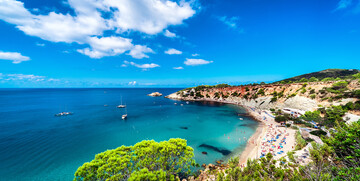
[267, 128]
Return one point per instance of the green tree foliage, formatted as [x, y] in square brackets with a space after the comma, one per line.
[313, 79]
[312, 116]
[356, 76]
[198, 94]
[327, 79]
[303, 80]
[300, 142]
[148, 159]
[333, 114]
[281, 118]
[346, 144]
[265, 168]
[339, 85]
[222, 85]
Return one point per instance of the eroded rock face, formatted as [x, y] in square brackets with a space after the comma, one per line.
[301, 96]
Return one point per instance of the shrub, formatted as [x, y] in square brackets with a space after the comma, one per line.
[312, 96]
[339, 85]
[300, 142]
[312, 91]
[356, 76]
[246, 89]
[318, 133]
[261, 92]
[292, 95]
[234, 94]
[303, 80]
[303, 90]
[327, 79]
[313, 79]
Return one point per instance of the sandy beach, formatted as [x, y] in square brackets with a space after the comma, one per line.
[268, 138]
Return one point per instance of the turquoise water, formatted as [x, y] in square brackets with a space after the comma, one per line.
[36, 145]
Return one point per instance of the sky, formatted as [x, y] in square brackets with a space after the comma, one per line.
[173, 43]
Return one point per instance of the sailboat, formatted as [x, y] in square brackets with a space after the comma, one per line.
[121, 105]
[124, 116]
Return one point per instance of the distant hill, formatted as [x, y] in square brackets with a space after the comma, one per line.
[333, 73]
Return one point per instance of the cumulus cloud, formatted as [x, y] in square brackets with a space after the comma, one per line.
[169, 34]
[143, 66]
[195, 55]
[88, 23]
[194, 62]
[14, 57]
[178, 68]
[173, 51]
[111, 46]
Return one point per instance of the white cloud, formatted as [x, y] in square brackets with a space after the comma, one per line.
[178, 68]
[169, 34]
[195, 55]
[194, 62]
[173, 51]
[132, 83]
[23, 77]
[148, 16]
[143, 66]
[87, 24]
[138, 51]
[40, 44]
[13, 56]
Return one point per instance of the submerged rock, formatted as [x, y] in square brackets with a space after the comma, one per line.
[220, 150]
[183, 127]
[204, 152]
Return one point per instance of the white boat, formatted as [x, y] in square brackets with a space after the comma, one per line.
[124, 116]
[121, 105]
[187, 102]
[63, 114]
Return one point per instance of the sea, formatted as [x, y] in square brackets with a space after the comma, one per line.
[37, 145]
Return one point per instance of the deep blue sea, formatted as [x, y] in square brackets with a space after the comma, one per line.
[36, 145]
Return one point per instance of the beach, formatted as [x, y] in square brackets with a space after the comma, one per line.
[268, 138]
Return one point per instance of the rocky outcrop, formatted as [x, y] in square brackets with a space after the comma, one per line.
[155, 94]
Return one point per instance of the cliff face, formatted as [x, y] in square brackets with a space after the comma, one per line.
[304, 96]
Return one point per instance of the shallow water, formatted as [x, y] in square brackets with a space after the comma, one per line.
[36, 145]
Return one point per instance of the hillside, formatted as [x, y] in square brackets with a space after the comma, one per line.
[306, 96]
[328, 73]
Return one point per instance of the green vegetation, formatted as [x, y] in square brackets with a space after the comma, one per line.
[234, 94]
[313, 79]
[261, 92]
[300, 142]
[147, 160]
[312, 116]
[318, 133]
[292, 95]
[312, 96]
[303, 80]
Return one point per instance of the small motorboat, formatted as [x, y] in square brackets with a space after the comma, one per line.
[121, 106]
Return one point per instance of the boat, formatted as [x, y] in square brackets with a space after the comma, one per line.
[187, 102]
[124, 116]
[121, 105]
[63, 114]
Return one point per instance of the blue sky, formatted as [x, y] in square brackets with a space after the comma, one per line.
[162, 43]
